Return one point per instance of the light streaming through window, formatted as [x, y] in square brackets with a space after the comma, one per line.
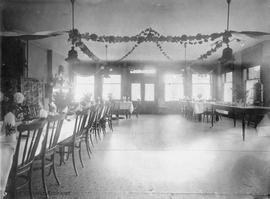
[149, 94]
[112, 87]
[135, 91]
[84, 85]
[252, 94]
[174, 89]
[227, 97]
[201, 86]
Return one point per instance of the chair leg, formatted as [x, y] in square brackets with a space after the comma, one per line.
[91, 140]
[96, 129]
[87, 146]
[54, 171]
[80, 154]
[30, 182]
[68, 152]
[43, 180]
[73, 161]
[99, 133]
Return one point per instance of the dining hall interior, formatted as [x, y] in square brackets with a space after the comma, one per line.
[135, 99]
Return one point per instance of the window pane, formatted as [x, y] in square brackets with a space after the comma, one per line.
[149, 92]
[228, 92]
[200, 78]
[250, 88]
[113, 79]
[228, 77]
[173, 78]
[135, 92]
[254, 72]
[113, 90]
[201, 91]
[83, 85]
[174, 92]
[112, 87]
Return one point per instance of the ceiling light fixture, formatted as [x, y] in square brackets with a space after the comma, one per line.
[227, 53]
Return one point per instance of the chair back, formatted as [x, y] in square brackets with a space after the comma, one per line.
[27, 143]
[53, 129]
[91, 118]
[80, 124]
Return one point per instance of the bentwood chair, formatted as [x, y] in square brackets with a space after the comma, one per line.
[24, 156]
[46, 158]
[74, 142]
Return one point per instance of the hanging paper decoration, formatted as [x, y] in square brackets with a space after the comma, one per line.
[147, 35]
[151, 37]
[218, 45]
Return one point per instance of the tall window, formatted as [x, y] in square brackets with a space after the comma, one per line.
[252, 77]
[174, 89]
[149, 93]
[227, 77]
[112, 87]
[84, 85]
[135, 91]
[201, 86]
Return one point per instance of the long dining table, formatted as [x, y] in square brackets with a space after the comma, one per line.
[7, 148]
[237, 110]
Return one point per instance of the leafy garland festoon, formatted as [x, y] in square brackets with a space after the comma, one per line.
[147, 35]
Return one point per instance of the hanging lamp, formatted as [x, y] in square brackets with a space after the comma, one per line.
[72, 53]
[227, 53]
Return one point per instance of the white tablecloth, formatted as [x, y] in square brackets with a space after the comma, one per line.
[199, 107]
[125, 106]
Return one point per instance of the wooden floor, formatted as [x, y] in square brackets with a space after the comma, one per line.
[167, 156]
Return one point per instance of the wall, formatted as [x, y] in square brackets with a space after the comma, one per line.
[37, 62]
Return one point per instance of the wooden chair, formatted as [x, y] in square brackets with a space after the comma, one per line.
[46, 158]
[74, 142]
[24, 156]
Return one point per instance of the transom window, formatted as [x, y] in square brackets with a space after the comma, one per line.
[201, 86]
[112, 87]
[174, 89]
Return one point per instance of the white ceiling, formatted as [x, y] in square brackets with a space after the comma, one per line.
[129, 17]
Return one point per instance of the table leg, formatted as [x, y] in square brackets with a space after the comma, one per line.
[243, 126]
[212, 118]
[234, 119]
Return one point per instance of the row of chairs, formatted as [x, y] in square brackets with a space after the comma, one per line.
[37, 145]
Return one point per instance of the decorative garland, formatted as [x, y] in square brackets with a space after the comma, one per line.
[199, 38]
[213, 50]
[147, 35]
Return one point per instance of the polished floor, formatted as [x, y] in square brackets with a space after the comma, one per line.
[168, 156]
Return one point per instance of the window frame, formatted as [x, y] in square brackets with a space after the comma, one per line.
[178, 83]
[154, 93]
[203, 83]
[115, 83]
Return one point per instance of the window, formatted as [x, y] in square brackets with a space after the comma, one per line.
[149, 94]
[112, 87]
[253, 78]
[227, 97]
[84, 85]
[135, 91]
[174, 89]
[201, 87]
